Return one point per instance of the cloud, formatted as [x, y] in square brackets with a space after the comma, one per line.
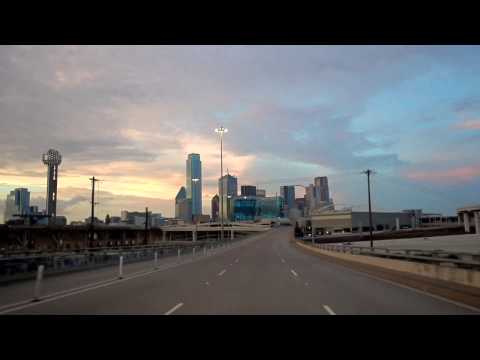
[453, 175]
[469, 125]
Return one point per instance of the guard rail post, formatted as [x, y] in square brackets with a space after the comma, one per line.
[120, 267]
[38, 283]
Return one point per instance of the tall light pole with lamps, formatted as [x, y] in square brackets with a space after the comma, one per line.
[221, 130]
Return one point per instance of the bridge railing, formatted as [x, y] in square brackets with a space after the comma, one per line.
[439, 257]
[23, 267]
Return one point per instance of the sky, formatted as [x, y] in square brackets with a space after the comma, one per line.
[130, 115]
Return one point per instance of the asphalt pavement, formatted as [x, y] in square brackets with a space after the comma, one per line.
[266, 274]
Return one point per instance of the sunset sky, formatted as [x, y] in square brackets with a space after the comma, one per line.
[130, 115]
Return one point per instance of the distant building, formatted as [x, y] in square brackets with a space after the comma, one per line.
[115, 219]
[194, 182]
[415, 216]
[96, 221]
[215, 208]
[322, 193]
[230, 190]
[261, 193]
[248, 190]
[288, 194]
[300, 204]
[17, 203]
[269, 207]
[430, 220]
[181, 195]
[200, 219]
[244, 208]
[346, 221]
[185, 210]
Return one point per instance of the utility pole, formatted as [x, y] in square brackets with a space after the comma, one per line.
[369, 172]
[146, 226]
[92, 215]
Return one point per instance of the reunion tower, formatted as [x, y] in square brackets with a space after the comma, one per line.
[52, 159]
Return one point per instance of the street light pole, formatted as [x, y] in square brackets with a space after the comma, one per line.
[368, 172]
[221, 130]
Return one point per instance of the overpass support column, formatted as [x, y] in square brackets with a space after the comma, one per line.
[477, 222]
[194, 235]
[397, 223]
[466, 221]
[164, 235]
[232, 234]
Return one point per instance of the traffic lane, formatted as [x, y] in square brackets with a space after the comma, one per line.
[155, 293]
[260, 285]
[353, 292]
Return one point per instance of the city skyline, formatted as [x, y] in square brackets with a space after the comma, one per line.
[294, 112]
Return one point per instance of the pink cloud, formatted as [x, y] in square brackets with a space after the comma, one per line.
[456, 175]
[469, 125]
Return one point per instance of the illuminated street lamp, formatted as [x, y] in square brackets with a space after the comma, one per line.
[221, 130]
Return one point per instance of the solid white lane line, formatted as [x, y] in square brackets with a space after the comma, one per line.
[327, 309]
[176, 307]
[294, 273]
[222, 272]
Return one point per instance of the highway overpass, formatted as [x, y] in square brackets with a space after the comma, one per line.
[263, 274]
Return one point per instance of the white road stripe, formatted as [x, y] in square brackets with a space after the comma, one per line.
[327, 309]
[179, 305]
[293, 272]
[222, 272]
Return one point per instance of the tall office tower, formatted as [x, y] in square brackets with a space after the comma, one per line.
[248, 190]
[181, 195]
[261, 193]
[309, 199]
[288, 194]
[230, 191]
[194, 183]
[17, 203]
[52, 159]
[215, 207]
[321, 189]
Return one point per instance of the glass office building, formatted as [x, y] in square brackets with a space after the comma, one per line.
[269, 207]
[194, 187]
[244, 208]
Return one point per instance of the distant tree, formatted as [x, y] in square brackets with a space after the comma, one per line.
[107, 219]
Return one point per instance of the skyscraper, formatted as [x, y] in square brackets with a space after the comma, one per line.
[230, 190]
[248, 190]
[52, 159]
[194, 183]
[17, 203]
[321, 189]
[288, 194]
[215, 207]
[181, 195]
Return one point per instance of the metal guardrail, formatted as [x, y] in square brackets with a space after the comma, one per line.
[439, 257]
[15, 268]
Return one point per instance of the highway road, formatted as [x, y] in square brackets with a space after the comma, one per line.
[266, 274]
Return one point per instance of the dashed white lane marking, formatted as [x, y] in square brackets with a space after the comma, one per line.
[222, 272]
[176, 307]
[294, 273]
[327, 309]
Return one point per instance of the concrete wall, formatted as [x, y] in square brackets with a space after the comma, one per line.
[460, 276]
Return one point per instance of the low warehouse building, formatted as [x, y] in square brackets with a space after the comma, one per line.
[336, 221]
